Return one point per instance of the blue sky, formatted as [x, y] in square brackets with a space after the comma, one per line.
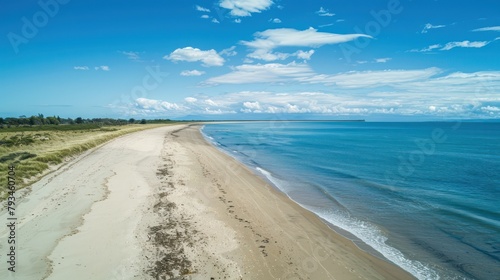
[376, 60]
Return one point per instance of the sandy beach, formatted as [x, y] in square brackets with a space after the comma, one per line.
[163, 203]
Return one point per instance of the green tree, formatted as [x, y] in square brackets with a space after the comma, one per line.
[143, 121]
[33, 120]
[41, 118]
[79, 120]
[52, 120]
[132, 120]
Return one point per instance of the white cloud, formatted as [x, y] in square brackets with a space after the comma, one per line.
[214, 20]
[464, 44]
[192, 73]
[491, 108]
[229, 51]
[261, 73]
[238, 20]
[252, 105]
[304, 55]
[205, 16]
[269, 56]
[85, 68]
[429, 26]
[391, 92]
[131, 55]
[103, 68]
[271, 39]
[287, 37]
[153, 106]
[190, 54]
[275, 20]
[244, 8]
[324, 12]
[490, 28]
[202, 9]
[211, 102]
[382, 60]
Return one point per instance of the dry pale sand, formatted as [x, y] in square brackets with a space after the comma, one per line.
[163, 203]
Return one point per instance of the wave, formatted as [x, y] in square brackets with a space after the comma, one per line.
[367, 232]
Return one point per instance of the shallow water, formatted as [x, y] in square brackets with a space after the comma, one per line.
[424, 195]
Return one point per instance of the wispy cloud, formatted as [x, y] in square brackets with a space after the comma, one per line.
[428, 49]
[262, 73]
[202, 9]
[302, 73]
[452, 45]
[190, 54]
[131, 55]
[229, 51]
[265, 42]
[322, 12]
[464, 44]
[372, 79]
[84, 68]
[245, 8]
[103, 68]
[429, 26]
[382, 60]
[326, 25]
[214, 20]
[490, 28]
[192, 73]
[97, 68]
[275, 20]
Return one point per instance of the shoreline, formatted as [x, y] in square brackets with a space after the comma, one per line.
[318, 246]
[359, 243]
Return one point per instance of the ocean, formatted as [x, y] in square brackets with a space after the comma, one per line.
[425, 196]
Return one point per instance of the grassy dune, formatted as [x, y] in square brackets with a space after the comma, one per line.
[33, 150]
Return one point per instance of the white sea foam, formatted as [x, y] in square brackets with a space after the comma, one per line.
[371, 235]
[366, 232]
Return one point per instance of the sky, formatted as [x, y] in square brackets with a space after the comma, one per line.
[256, 59]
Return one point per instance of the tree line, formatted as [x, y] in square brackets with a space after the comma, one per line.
[40, 120]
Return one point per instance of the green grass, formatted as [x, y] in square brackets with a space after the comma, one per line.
[62, 127]
[34, 150]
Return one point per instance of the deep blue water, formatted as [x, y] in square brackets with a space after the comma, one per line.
[424, 195]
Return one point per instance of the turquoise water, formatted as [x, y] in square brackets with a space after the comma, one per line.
[424, 195]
